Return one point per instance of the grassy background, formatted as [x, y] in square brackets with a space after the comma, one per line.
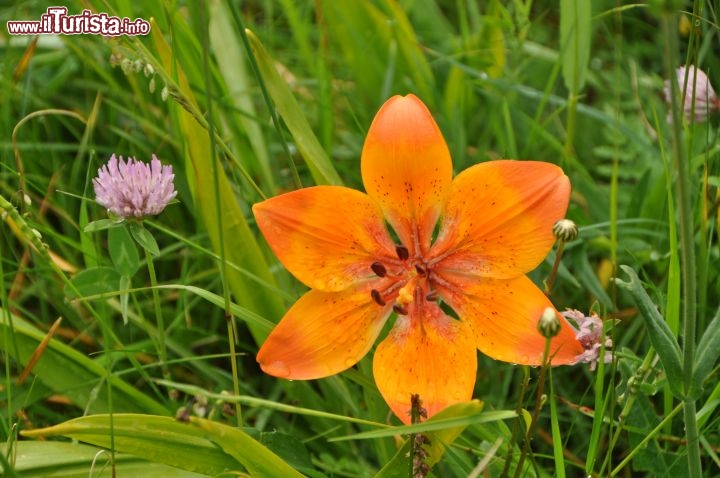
[501, 82]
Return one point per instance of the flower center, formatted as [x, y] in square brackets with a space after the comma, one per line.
[403, 281]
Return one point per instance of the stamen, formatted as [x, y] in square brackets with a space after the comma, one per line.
[377, 297]
[400, 310]
[402, 252]
[420, 271]
[378, 269]
[432, 296]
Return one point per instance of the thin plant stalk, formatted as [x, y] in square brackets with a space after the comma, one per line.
[218, 208]
[555, 429]
[159, 320]
[539, 402]
[688, 271]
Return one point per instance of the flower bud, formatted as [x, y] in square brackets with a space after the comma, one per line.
[565, 230]
[549, 324]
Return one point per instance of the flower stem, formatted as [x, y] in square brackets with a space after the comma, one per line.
[539, 402]
[556, 265]
[162, 349]
[687, 247]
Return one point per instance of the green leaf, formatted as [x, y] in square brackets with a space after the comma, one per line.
[70, 373]
[143, 237]
[399, 464]
[123, 251]
[307, 143]
[659, 332]
[708, 351]
[91, 282]
[288, 447]
[440, 438]
[575, 32]
[74, 460]
[258, 460]
[154, 438]
[471, 416]
[101, 225]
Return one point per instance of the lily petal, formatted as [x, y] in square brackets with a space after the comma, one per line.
[406, 168]
[326, 236]
[323, 334]
[429, 354]
[504, 316]
[498, 218]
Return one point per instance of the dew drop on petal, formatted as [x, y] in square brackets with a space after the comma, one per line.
[278, 369]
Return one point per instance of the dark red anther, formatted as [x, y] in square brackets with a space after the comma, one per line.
[400, 310]
[420, 271]
[402, 253]
[377, 297]
[432, 296]
[378, 269]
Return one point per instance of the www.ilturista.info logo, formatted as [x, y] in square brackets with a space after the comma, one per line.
[57, 22]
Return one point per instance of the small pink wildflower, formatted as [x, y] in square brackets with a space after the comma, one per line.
[589, 334]
[706, 100]
[133, 188]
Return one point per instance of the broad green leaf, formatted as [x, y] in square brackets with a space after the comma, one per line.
[100, 225]
[73, 460]
[95, 281]
[575, 33]
[658, 330]
[470, 416]
[144, 238]
[72, 374]
[440, 438]
[258, 460]
[290, 448]
[155, 438]
[307, 143]
[123, 251]
[399, 465]
[225, 222]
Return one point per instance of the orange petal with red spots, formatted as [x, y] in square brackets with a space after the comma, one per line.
[498, 218]
[429, 354]
[504, 316]
[326, 236]
[323, 334]
[406, 168]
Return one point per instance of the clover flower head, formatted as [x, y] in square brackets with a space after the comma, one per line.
[589, 334]
[705, 99]
[453, 274]
[134, 189]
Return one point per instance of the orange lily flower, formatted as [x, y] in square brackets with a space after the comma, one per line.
[453, 291]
